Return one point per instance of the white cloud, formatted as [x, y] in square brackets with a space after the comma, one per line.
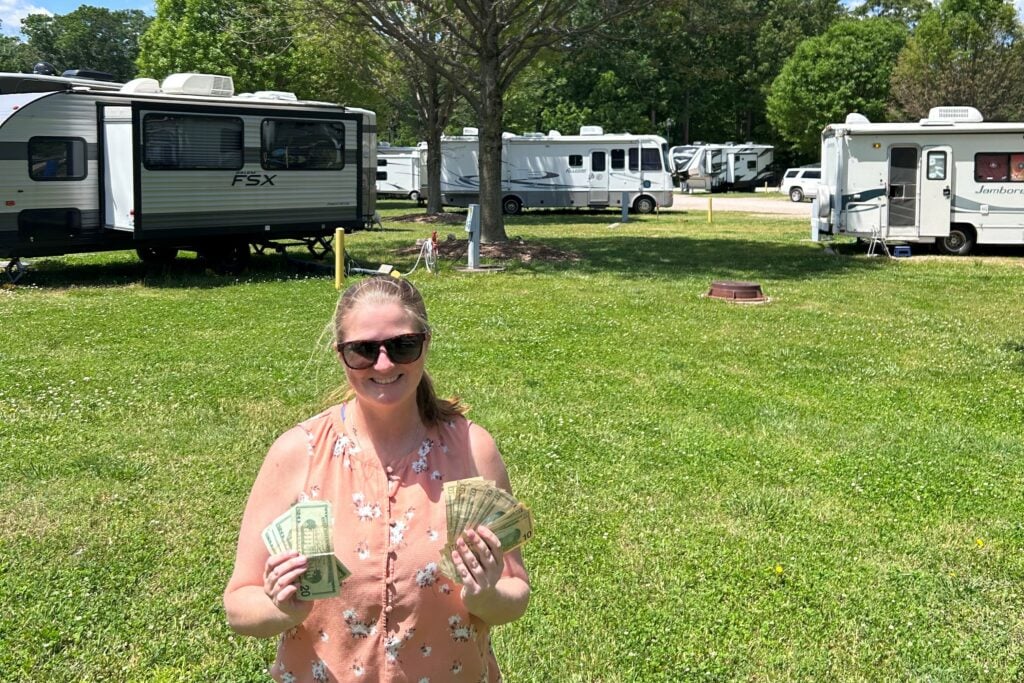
[13, 11]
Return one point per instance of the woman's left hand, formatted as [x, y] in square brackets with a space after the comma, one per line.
[479, 560]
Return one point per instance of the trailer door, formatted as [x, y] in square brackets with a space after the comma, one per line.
[902, 188]
[118, 189]
[936, 190]
[598, 178]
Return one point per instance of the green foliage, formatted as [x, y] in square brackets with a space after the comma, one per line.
[963, 52]
[88, 38]
[16, 56]
[824, 488]
[846, 69]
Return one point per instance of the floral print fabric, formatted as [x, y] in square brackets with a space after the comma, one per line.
[397, 618]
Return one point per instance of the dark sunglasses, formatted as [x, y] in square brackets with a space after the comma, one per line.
[405, 348]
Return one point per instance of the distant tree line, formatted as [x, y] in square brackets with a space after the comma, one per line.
[773, 71]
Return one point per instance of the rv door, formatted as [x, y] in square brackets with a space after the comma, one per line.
[118, 165]
[598, 178]
[936, 190]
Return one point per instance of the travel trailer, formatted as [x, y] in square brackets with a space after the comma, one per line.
[90, 165]
[950, 179]
[590, 170]
[398, 172]
[719, 168]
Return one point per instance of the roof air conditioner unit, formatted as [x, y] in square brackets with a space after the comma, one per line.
[957, 114]
[276, 95]
[141, 85]
[554, 134]
[591, 130]
[854, 117]
[210, 85]
[470, 131]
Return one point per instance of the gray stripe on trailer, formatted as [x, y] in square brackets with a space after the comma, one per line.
[18, 151]
[152, 223]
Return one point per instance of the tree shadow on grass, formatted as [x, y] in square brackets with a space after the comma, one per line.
[718, 259]
[104, 270]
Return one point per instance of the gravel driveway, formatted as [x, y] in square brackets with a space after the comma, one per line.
[751, 204]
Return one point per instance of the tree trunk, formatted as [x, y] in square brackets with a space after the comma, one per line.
[434, 127]
[490, 114]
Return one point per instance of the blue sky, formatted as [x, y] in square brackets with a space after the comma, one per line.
[13, 11]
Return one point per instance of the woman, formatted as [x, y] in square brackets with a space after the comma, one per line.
[381, 458]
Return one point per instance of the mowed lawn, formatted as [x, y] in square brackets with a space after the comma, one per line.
[824, 488]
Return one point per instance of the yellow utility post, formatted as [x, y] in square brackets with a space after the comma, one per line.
[711, 213]
[339, 258]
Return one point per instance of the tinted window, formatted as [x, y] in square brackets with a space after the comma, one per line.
[650, 159]
[188, 142]
[302, 145]
[791, 174]
[618, 159]
[597, 161]
[813, 174]
[999, 168]
[56, 158]
[575, 160]
[382, 175]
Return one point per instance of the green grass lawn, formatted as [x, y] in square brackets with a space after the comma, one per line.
[827, 487]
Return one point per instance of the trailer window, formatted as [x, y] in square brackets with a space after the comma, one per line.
[650, 159]
[993, 168]
[597, 162]
[56, 158]
[186, 142]
[382, 162]
[302, 145]
[1017, 168]
[936, 165]
[618, 159]
[575, 160]
[382, 175]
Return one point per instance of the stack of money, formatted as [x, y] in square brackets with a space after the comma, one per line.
[475, 501]
[308, 528]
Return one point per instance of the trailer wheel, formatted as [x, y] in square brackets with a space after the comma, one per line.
[796, 194]
[157, 256]
[414, 196]
[511, 205]
[644, 205]
[959, 241]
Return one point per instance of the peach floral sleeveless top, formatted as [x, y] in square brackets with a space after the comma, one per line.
[397, 618]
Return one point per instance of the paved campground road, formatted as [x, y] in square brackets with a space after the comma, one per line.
[751, 204]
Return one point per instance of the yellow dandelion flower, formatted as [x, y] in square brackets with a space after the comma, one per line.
[980, 543]
[778, 569]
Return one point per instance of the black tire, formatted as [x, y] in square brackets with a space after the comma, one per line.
[157, 256]
[227, 259]
[414, 196]
[511, 205]
[959, 241]
[796, 194]
[644, 204]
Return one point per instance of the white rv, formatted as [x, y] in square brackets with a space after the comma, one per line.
[950, 179]
[719, 168]
[95, 166]
[398, 172]
[553, 171]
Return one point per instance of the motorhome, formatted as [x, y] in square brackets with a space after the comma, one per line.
[90, 165]
[722, 167]
[398, 172]
[589, 170]
[950, 179]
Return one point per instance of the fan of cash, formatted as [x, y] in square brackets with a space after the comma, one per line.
[475, 501]
[308, 528]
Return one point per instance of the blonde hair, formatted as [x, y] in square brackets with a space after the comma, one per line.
[378, 291]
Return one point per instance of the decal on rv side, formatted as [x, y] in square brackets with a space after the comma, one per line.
[253, 179]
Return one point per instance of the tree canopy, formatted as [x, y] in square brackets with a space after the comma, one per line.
[88, 38]
[963, 52]
[846, 69]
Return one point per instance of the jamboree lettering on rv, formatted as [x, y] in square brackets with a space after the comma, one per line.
[253, 179]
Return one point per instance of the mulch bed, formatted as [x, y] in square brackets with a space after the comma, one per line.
[515, 249]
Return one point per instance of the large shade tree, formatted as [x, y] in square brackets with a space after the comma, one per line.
[486, 45]
[963, 52]
[88, 38]
[847, 69]
[16, 55]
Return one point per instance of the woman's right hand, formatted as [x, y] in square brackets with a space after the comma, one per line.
[281, 584]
